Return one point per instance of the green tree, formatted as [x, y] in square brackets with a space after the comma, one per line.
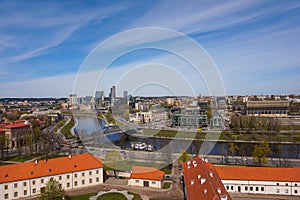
[184, 156]
[2, 144]
[52, 191]
[112, 159]
[109, 117]
[260, 153]
[233, 148]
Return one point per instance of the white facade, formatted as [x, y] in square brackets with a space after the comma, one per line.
[145, 183]
[262, 187]
[68, 181]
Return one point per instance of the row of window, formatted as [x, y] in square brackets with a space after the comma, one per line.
[42, 180]
[152, 182]
[68, 185]
[257, 189]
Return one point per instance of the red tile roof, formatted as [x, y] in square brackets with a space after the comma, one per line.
[16, 125]
[202, 181]
[148, 173]
[258, 173]
[29, 170]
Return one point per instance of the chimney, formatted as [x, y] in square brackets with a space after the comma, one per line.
[70, 156]
[202, 180]
[36, 162]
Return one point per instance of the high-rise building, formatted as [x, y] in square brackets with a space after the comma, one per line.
[125, 94]
[73, 100]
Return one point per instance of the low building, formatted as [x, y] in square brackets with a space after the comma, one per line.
[201, 181]
[260, 180]
[267, 108]
[15, 134]
[146, 177]
[190, 118]
[29, 178]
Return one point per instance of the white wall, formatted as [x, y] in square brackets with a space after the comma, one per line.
[262, 187]
[140, 182]
[66, 180]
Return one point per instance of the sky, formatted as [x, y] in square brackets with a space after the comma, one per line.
[254, 45]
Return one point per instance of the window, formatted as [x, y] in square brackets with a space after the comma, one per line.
[246, 188]
[15, 185]
[97, 179]
[75, 175]
[6, 196]
[137, 181]
[15, 194]
[153, 182]
[25, 192]
[286, 184]
[33, 191]
[33, 182]
[256, 188]
[60, 186]
[91, 180]
[227, 187]
[296, 191]
[277, 184]
[231, 187]
[90, 173]
[97, 171]
[24, 184]
[75, 183]
[42, 180]
[286, 190]
[295, 184]
[68, 176]
[251, 188]
[68, 184]
[82, 182]
[262, 189]
[82, 173]
[5, 187]
[59, 178]
[277, 190]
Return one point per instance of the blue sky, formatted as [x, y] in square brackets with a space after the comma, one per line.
[255, 44]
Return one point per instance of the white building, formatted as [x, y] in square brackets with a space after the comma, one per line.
[146, 177]
[28, 179]
[260, 180]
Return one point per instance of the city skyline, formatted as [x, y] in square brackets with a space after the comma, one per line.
[253, 43]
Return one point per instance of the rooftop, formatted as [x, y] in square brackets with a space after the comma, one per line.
[202, 181]
[41, 168]
[258, 173]
[148, 173]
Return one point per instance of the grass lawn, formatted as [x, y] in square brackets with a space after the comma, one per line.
[136, 196]
[112, 196]
[127, 166]
[81, 197]
[66, 129]
[166, 185]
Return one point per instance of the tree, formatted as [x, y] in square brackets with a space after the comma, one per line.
[232, 148]
[260, 153]
[184, 156]
[52, 191]
[109, 117]
[111, 160]
[2, 144]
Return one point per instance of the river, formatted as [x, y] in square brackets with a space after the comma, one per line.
[88, 126]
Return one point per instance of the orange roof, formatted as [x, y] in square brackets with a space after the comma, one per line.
[29, 170]
[17, 125]
[202, 181]
[258, 173]
[148, 173]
